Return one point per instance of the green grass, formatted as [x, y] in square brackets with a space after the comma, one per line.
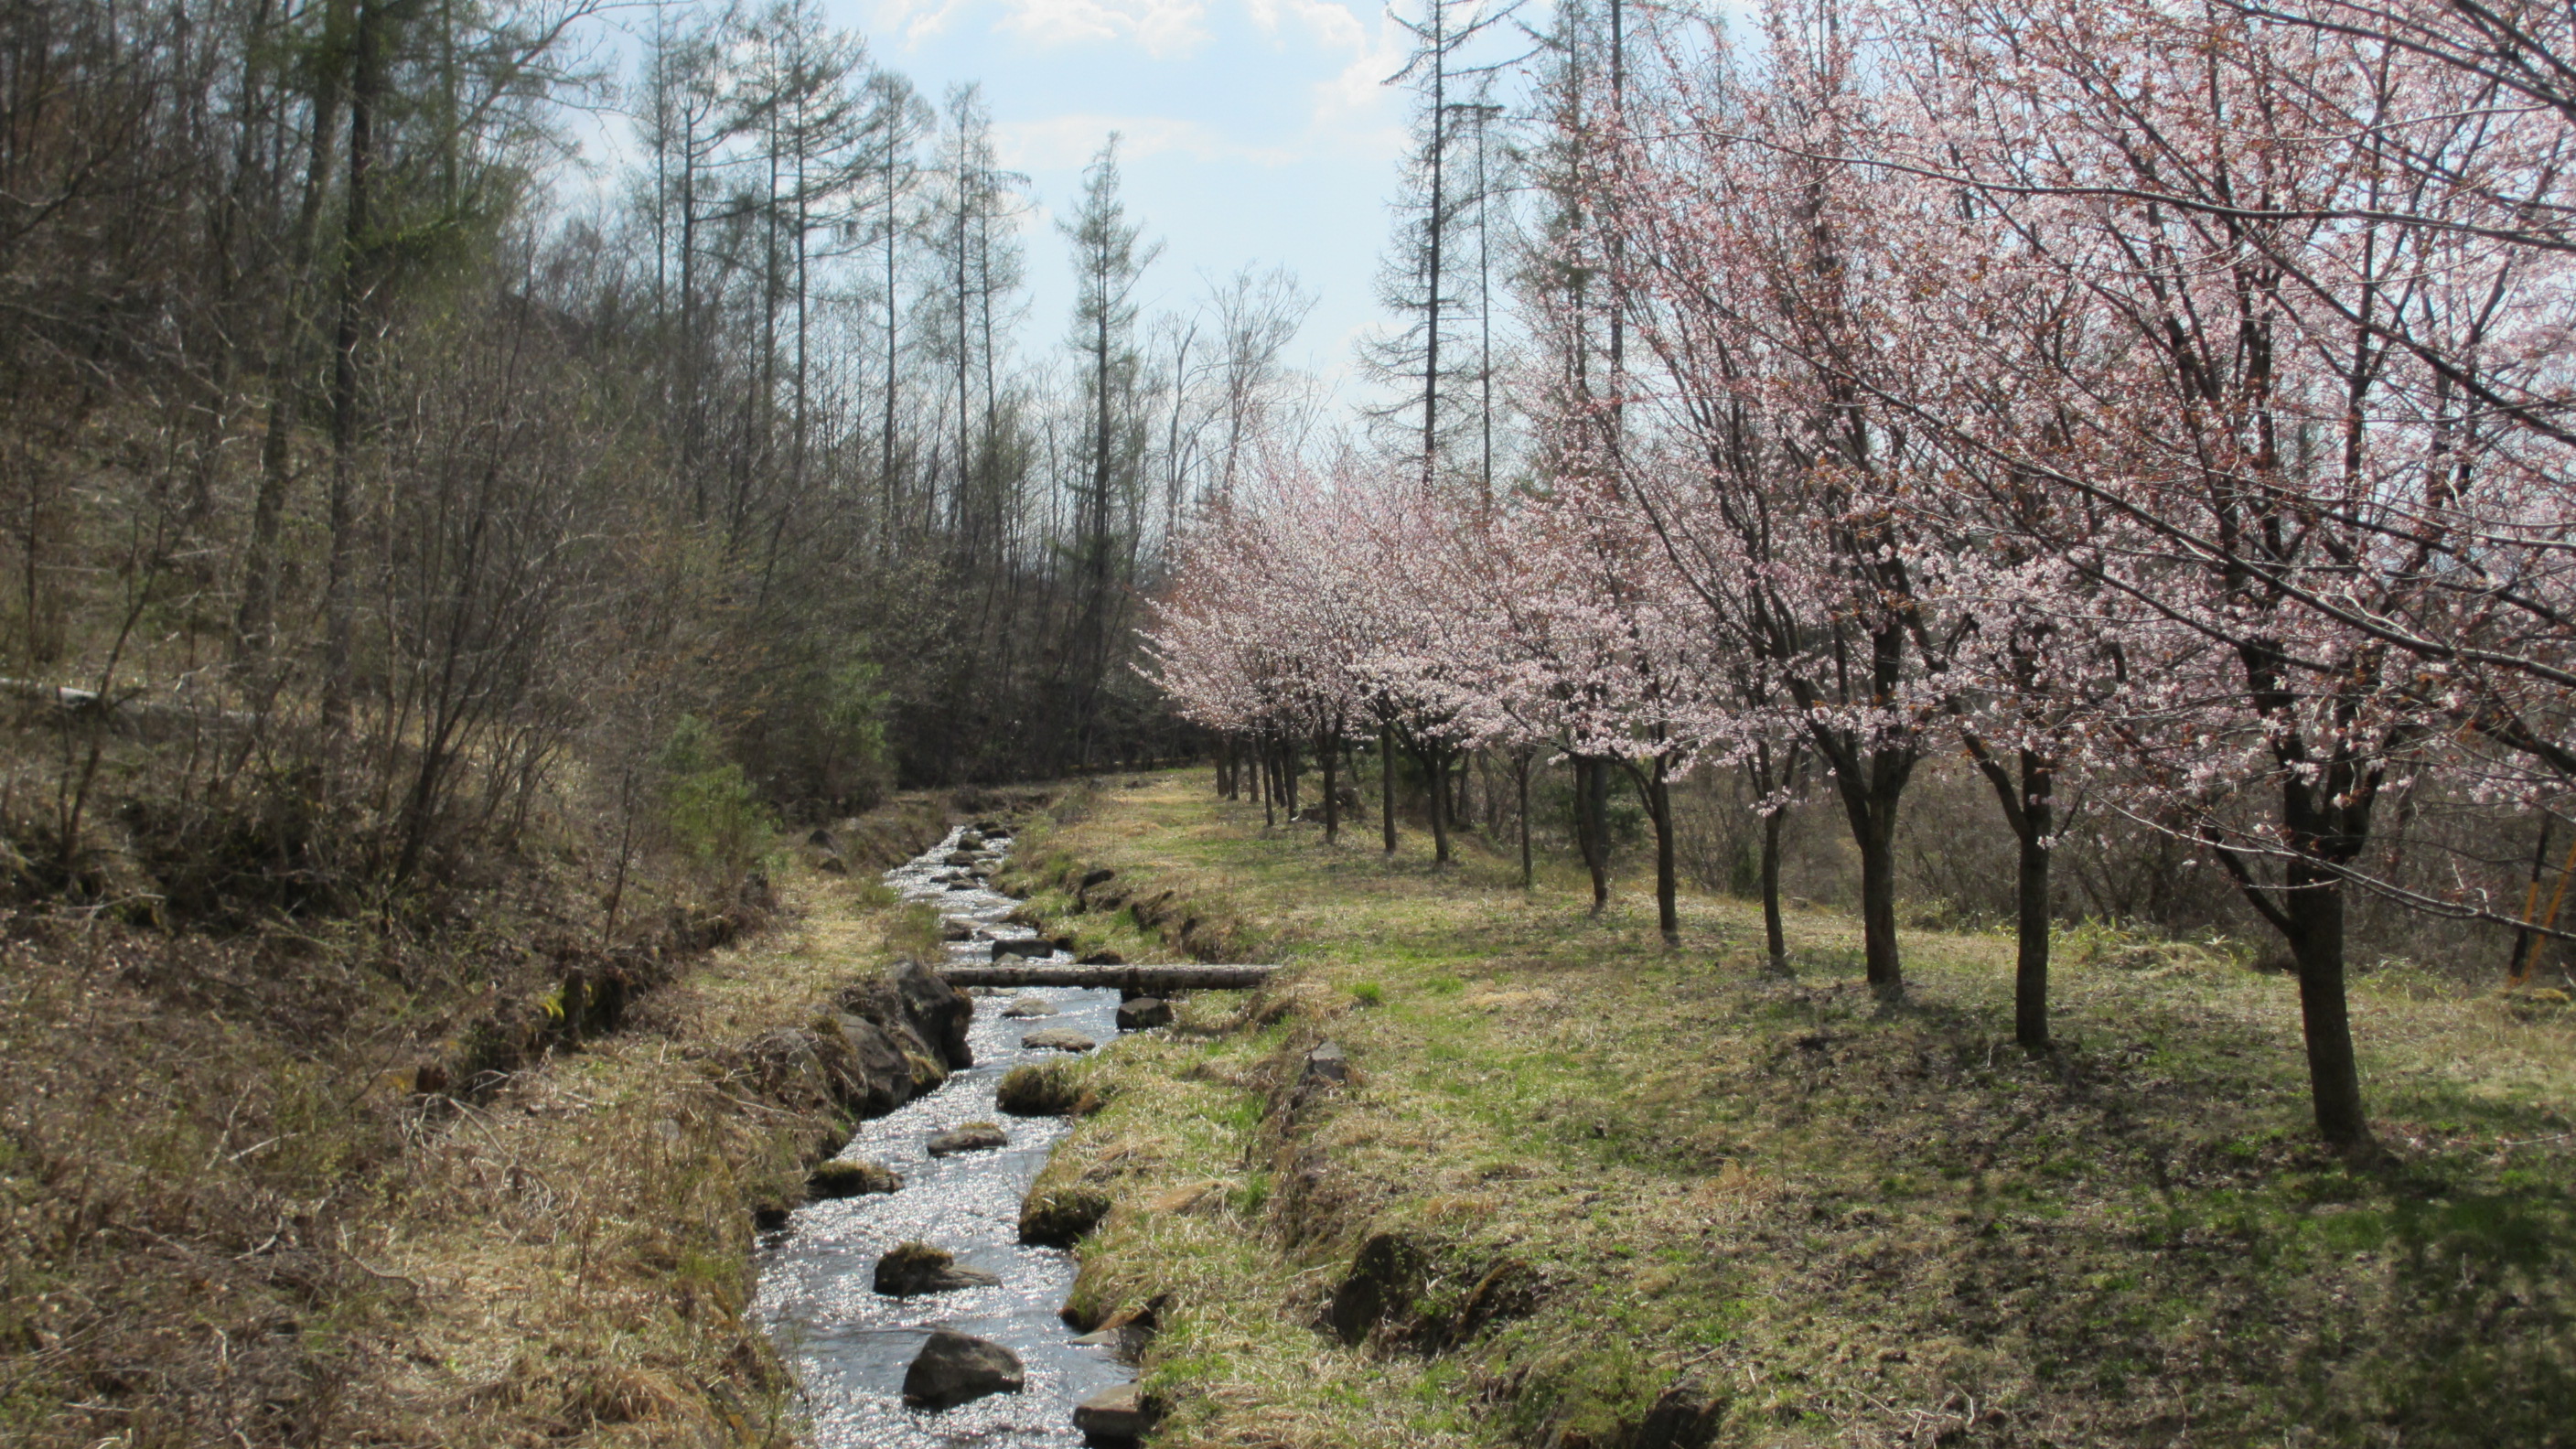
[1854, 1223]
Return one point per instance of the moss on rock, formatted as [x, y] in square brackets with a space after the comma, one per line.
[1039, 1089]
[851, 1179]
[1059, 1217]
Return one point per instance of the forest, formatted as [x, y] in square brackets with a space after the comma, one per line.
[420, 489]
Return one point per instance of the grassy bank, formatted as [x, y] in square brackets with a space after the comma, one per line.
[1576, 1175]
[249, 1193]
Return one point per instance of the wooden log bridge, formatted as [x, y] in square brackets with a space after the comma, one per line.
[1152, 980]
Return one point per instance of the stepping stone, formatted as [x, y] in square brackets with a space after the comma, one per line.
[1058, 1039]
[1114, 1416]
[956, 1368]
[912, 1269]
[851, 1179]
[1027, 1006]
[973, 1137]
[1144, 1013]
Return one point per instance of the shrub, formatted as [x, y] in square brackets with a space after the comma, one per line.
[708, 806]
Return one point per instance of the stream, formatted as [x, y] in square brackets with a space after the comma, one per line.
[850, 1345]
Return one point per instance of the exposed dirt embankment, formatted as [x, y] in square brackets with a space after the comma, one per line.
[1484, 1171]
[485, 1188]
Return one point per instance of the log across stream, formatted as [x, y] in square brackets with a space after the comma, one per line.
[849, 1344]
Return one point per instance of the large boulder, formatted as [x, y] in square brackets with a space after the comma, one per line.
[919, 1010]
[973, 1137]
[881, 1075]
[1057, 1039]
[912, 1269]
[1326, 1065]
[955, 1368]
[837, 1061]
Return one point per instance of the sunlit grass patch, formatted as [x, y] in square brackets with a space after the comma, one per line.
[1855, 1223]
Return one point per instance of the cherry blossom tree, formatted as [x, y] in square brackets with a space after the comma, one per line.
[1752, 275]
[2252, 481]
[1603, 654]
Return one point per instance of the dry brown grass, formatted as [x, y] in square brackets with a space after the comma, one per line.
[226, 1217]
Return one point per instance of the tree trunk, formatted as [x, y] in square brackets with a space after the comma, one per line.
[1872, 813]
[257, 622]
[1592, 824]
[2027, 811]
[1774, 938]
[1659, 804]
[1435, 771]
[2030, 898]
[2518, 965]
[1878, 916]
[2311, 916]
[2314, 906]
[1521, 769]
[1386, 784]
[339, 606]
[1152, 979]
[1328, 749]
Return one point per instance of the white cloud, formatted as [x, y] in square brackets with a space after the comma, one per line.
[1356, 103]
[1333, 26]
[1068, 142]
[915, 20]
[1166, 29]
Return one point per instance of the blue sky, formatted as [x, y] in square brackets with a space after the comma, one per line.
[1254, 131]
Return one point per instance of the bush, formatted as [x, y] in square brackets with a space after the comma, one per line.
[708, 806]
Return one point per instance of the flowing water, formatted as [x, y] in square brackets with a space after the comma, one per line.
[850, 1346]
